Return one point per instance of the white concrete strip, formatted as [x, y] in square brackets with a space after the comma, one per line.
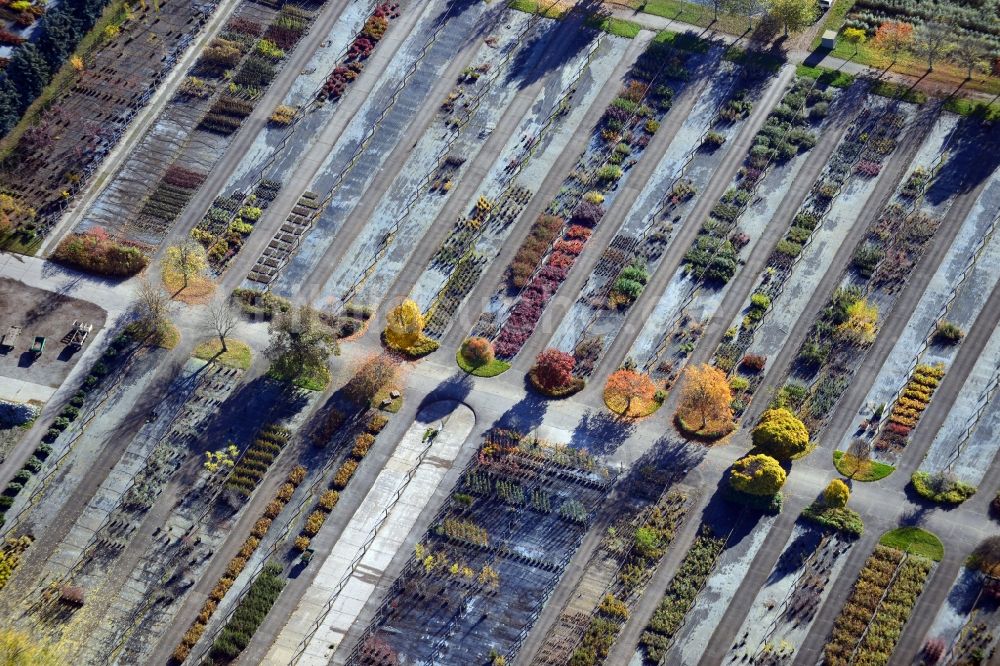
[338, 594]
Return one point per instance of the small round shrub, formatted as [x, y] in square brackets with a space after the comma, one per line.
[781, 434]
[836, 494]
[757, 474]
[478, 351]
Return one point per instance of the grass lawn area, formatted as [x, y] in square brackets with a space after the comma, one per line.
[14, 241]
[945, 73]
[968, 107]
[682, 40]
[310, 382]
[867, 471]
[548, 8]
[689, 12]
[198, 290]
[834, 19]
[615, 26]
[492, 369]
[237, 354]
[383, 394]
[915, 541]
[830, 77]
[169, 336]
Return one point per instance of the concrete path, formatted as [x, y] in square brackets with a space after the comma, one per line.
[372, 537]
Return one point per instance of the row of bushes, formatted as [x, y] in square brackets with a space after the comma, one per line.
[249, 614]
[363, 45]
[694, 570]
[254, 463]
[363, 442]
[95, 252]
[883, 597]
[911, 404]
[236, 566]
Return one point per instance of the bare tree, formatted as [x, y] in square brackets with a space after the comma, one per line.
[932, 41]
[971, 53]
[153, 306]
[223, 318]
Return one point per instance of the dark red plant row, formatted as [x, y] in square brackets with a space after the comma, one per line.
[178, 176]
[362, 47]
[525, 315]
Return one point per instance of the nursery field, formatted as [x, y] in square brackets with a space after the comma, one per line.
[453, 332]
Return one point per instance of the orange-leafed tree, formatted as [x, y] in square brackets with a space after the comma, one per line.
[628, 388]
[893, 37]
[705, 399]
[372, 375]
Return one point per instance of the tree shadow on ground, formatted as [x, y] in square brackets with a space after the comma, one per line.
[601, 433]
[666, 463]
[453, 9]
[962, 597]
[795, 554]
[727, 518]
[457, 388]
[249, 408]
[525, 415]
[550, 48]
[973, 154]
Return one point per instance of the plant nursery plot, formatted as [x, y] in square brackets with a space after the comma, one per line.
[58, 154]
[90, 555]
[960, 280]
[365, 144]
[786, 606]
[153, 587]
[653, 219]
[223, 88]
[302, 118]
[965, 627]
[671, 330]
[615, 575]
[523, 162]
[602, 170]
[966, 443]
[481, 97]
[494, 553]
[868, 626]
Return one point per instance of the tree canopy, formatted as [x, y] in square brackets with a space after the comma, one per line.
[757, 474]
[780, 434]
[705, 399]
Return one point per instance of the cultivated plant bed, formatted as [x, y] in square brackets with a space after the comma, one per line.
[570, 219]
[480, 236]
[636, 251]
[869, 625]
[501, 542]
[786, 606]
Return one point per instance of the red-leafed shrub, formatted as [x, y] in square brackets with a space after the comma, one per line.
[360, 49]
[573, 247]
[899, 428]
[560, 259]
[8, 38]
[178, 176]
[533, 248]
[868, 168]
[587, 214]
[553, 370]
[578, 232]
[754, 362]
[245, 26]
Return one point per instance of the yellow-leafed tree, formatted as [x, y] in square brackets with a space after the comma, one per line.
[404, 325]
[705, 399]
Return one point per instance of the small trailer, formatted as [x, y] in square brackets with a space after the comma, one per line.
[79, 334]
[10, 337]
[38, 345]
